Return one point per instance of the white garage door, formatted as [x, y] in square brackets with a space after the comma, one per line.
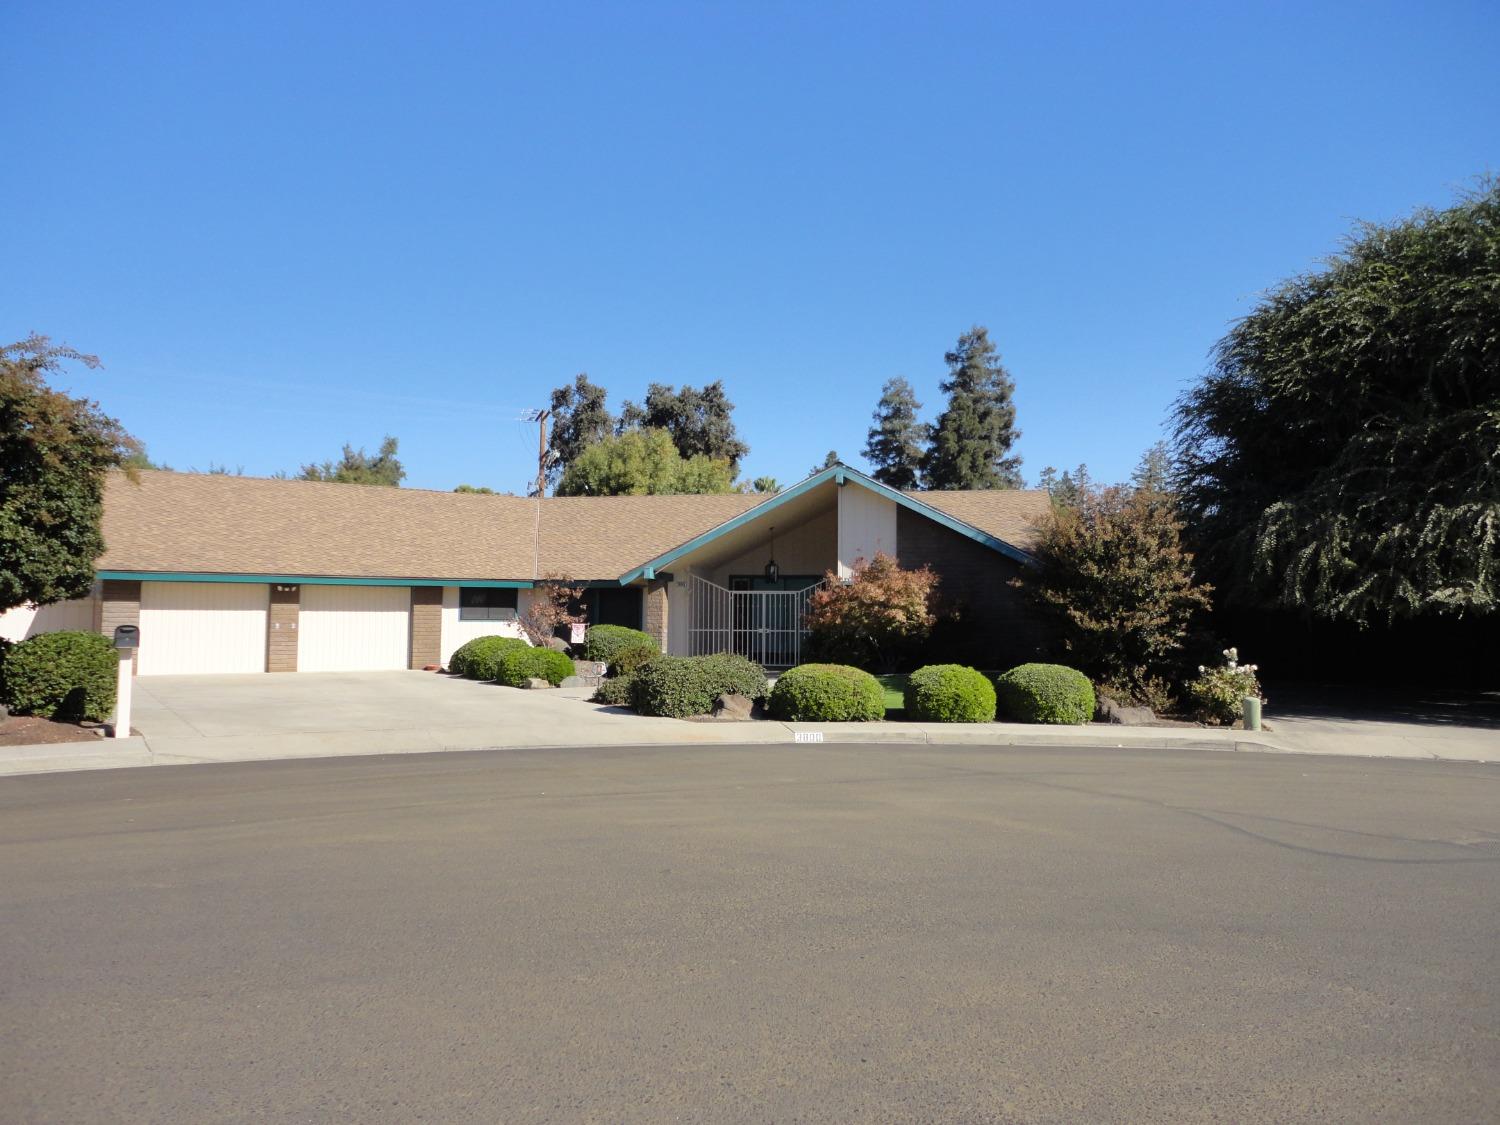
[193, 627]
[353, 628]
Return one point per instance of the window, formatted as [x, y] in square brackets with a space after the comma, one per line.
[486, 603]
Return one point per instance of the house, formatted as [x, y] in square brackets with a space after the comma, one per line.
[239, 574]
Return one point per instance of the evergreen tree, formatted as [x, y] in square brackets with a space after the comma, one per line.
[896, 437]
[829, 462]
[358, 467]
[580, 418]
[642, 462]
[765, 485]
[55, 451]
[1154, 473]
[972, 439]
[1342, 456]
[698, 420]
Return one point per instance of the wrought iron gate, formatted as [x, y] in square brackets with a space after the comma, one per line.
[765, 625]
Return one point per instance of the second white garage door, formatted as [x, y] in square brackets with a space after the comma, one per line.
[353, 628]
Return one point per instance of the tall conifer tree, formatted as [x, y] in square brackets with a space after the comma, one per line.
[971, 443]
[897, 438]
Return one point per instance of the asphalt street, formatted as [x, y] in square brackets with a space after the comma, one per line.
[770, 933]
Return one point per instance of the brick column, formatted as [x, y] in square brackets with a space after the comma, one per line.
[281, 629]
[426, 626]
[120, 604]
[656, 611]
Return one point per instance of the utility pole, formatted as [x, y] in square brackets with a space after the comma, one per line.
[540, 418]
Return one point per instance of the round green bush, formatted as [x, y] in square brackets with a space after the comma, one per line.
[604, 642]
[949, 693]
[833, 693]
[615, 691]
[1045, 693]
[66, 676]
[678, 687]
[477, 659]
[628, 659]
[515, 666]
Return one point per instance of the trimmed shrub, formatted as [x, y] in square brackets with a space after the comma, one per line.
[949, 693]
[479, 659]
[65, 676]
[1045, 693]
[678, 687]
[615, 691]
[627, 660]
[515, 666]
[735, 675]
[605, 642]
[833, 693]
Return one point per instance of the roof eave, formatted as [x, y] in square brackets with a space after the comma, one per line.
[839, 474]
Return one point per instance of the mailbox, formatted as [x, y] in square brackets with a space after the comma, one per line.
[127, 636]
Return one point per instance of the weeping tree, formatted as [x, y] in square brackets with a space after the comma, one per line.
[1341, 457]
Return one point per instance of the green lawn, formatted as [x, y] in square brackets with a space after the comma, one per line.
[895, 690]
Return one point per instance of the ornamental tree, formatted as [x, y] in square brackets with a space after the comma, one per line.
[54, 453]
[1113, 576]
[876, 619]
[1342, 456]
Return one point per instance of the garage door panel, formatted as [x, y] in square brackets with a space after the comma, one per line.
[353, 628]
[190, 628]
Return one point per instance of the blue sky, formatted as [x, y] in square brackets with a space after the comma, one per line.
[288, 226]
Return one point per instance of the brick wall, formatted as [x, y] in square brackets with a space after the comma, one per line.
[656, 612]
[281, 630]
[119, 604]
[997, 628]
[426, 626]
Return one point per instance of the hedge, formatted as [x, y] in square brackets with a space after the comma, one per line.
[516, 666]
[1045, 693]
[681, 686]
[949, 693]
[66, 676]
[479, 659]
[604, 643]
[627, 660]
[833, 693]
[615, 691]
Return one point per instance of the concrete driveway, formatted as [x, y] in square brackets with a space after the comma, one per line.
[331, 713]
[759, 934]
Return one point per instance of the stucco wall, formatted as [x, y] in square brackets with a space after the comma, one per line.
[28, 620]
[867, 527]
[456, 632]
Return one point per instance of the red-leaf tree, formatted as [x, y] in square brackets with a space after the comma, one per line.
[877, 619]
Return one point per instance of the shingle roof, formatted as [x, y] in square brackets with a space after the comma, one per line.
[1008, 514]
[196, 523]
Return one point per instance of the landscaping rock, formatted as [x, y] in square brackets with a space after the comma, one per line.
[575, 681]
[734, 707]
[1111, 712]
[557, 644]
[536, 683]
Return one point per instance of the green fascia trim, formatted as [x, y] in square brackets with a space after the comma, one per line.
[308, 580]
[840, 474]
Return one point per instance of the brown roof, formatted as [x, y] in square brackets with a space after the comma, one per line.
[192, 522]
[196, 523]
[1010, 515]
